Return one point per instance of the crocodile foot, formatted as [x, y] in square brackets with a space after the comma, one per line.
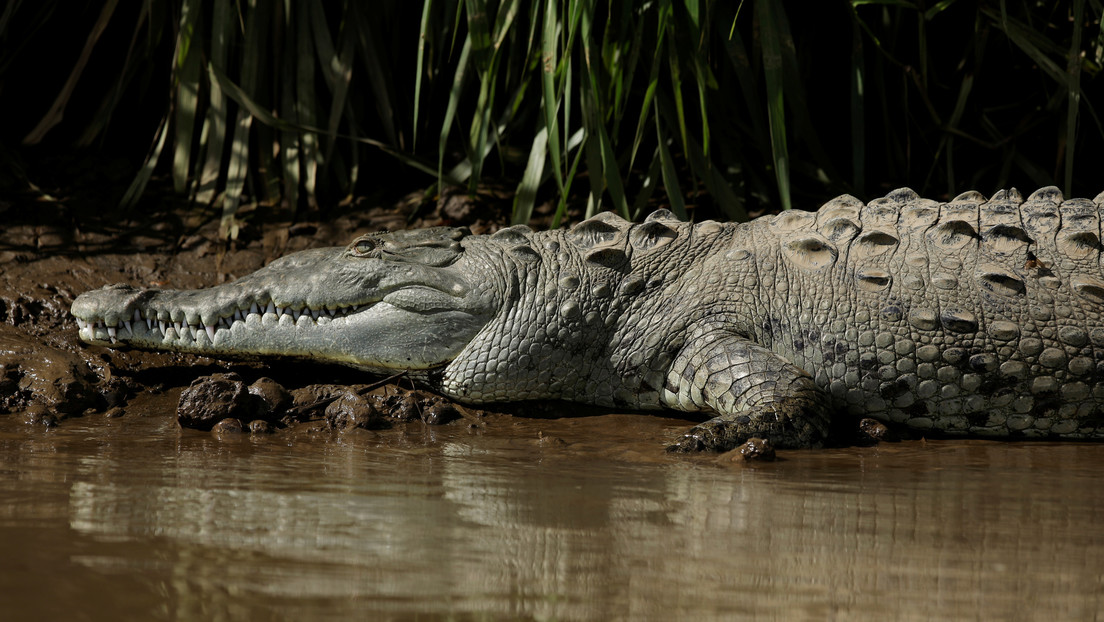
[783, 424]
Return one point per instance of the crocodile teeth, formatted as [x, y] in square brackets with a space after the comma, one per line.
[211, 333]
[295, 313]
[271, 308]
[111, 332]
[163, 326]
[129, 326]
[149, 323]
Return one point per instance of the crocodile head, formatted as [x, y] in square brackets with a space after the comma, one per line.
[405, 300]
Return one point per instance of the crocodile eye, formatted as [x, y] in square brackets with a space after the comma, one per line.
[363, 246]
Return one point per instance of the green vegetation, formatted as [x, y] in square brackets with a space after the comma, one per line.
[735, 106]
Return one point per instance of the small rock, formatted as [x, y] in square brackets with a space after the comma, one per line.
[353, 410]
[229, 425]
[209, 400]
[755, 449]
[259, 426]
[115, 412]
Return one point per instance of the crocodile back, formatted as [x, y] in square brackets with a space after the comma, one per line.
[972, 316]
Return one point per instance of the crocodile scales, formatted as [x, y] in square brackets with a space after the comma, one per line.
[971, 317]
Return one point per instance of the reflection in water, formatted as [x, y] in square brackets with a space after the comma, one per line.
[177, 525]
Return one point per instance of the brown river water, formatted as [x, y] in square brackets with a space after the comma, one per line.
[573, 518]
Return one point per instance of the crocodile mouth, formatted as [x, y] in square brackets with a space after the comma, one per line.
[158, 326]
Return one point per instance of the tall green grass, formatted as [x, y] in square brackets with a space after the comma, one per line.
[730, 106]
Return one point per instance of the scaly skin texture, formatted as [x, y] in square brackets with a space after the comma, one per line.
[973, 317]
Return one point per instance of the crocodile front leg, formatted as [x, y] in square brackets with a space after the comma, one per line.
[754, 392]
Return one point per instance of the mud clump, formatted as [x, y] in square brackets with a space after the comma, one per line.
[229, 425]
[353, 410]
[874, 430]
[271, 398]
[754, 450]
[39, 374]
[209, 401]
[401, 407]
[439, 412]
[36, 414]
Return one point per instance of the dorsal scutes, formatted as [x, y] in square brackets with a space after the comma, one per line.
[651, 235]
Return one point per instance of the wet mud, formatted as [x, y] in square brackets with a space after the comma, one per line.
[137, 485]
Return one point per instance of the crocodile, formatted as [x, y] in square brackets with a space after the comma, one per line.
[972, 317]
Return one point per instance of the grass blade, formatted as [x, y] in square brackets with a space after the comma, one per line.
[858, 108]
[653, 78]
[134, 191]
[239, 156]
[530, 181]
[186, 106]
[648, 187]
[549, 99]
[609, 178]
[670, 177]
[379, 73]
[776, 110]
[306, 108]
[420, 69]
[107, 108]
[450, 110]
[214, 126]
[1073, 102]
[54, 115]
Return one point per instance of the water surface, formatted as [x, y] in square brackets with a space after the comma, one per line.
[565, 519]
